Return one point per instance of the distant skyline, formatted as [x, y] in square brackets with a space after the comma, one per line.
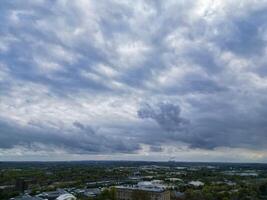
[182, 80]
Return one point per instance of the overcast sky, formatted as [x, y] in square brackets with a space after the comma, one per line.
[133, 80]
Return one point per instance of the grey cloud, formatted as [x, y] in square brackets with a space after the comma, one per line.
[156, 148]
[222, 127]
[80, 126]
[243, 35]
[83, 141]
[193, 83]
[219, 73]
[165, 114]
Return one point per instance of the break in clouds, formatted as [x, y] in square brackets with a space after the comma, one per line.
[133, 78]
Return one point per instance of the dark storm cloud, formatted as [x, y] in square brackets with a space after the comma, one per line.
[156, 148]
[224, 127]
[82, 141]
[165, 114]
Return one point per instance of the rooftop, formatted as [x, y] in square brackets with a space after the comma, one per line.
[26, 197]
[145, 186]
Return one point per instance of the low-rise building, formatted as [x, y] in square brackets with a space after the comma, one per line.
[26, 197]
[142, 191]
[56, 195]
[196, 183]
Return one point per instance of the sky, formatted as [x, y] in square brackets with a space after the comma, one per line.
[182, 80]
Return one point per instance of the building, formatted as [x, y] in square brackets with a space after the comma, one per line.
[92, 192]
[196, 183]
[87, 193]
[142, 191]
[26, 197]
[56, 195]
[66, 197]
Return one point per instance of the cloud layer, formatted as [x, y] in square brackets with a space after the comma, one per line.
[133, 78]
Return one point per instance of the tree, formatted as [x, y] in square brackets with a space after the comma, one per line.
[263, 189]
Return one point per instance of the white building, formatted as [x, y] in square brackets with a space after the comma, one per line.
[66, 197]
[146, 189]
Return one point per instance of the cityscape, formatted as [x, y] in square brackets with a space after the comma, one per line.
[120, 180]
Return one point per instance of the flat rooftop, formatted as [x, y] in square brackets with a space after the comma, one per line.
[143, 188]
